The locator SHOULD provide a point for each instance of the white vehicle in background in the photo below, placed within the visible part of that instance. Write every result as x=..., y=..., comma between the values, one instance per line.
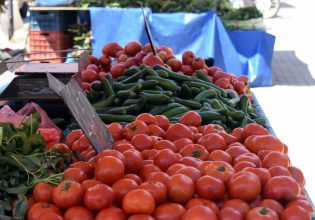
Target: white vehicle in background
x=269, y=8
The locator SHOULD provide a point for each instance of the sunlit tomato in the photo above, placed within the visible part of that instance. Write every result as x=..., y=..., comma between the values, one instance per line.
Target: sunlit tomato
x=147, y=118
x=86, y=167
x=50, y=216
x=122, y=187
x=220, y=155
x=254, y=129
x=164, y=159
x=161, y=177
x=116, y=130
x=279, y=171
x=199, y=212
x=146, y=171
x=202, y=166
x=295, y=212
x=78, y=213
x=237, y=204
x=238, y=186
x=109, y=169
x=181, y=143
x=156, y=131
x=167, y=211
x=42, y=192
x=162, y=121
x=191, y=118
x=262, y=173
x=164, y=144
x=236, y=150
x=276, y=158
x=297, y=174
x=267, y=142
x=134, y=128
x=113, y=153
x=121, y=147
x=220, y=169
x=195, y=150
x=229, y=139
x=138, y=201
x=177, y=131
x=212, y=142
x=190, y=161
x=238, y=134
x=272, y=204
x=303, y=203
x=157, y=189
x=142, y=142
x=111, y=213
x=180, y=188
x=212, y=128
x=86, y=184
x=242, y=165
x=282, y=188
x=261, y=213
x=193, y=173
x=40, y=208
x=229, y=213
x=67, y=194
x=204, y=202
x=149, y=154
x=250, y=157
x=75, y=174
x=98, y=197
x=73, y=136
x=209, y=187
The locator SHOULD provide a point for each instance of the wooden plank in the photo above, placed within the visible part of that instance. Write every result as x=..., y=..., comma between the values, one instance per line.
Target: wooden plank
x=48, y=67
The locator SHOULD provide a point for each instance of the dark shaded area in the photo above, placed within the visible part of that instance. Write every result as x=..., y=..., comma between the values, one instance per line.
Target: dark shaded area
x=287, y=69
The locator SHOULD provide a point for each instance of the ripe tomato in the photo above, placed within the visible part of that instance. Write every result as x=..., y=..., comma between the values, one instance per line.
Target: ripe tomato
x=86, y=167
x=122, y=187
x=164, y=159
x=272, y=204
x=121, y=147
x=166, y=211
x=134, y=128
x=140, y=217
x=220, y=155
x=229, y=213
x=254, y=129
x=42, y=192
x=157, y=189
x=276, y=158
x=181, y=143
x=199, y=212
x=237, y=204
x=238, y=134
x=98, y=197
x=191, y=118
x=180, y=188
x=147, y=118
x=116, y=130
x=78, y=213
x=156, y=131
x=261, y=213
x=40, y=208
x=133, y=202
x=236, y=150
x=82, y=144
x=112, y=213
x=204, y=202
x=209, y=187
x=73, y=136
x=89, y=183
x=142, y=142
x=50, y=216
x=190, y=161
x=212, y=128
x=202, y=166
x=113, y=153
x=146, y=171
x=242, y=165
x=75, y=174
x=164, y=144
x=67, y=194
x=161, y=177
x=174, y=168
x=250, y=157
x=134, y=177
x=279, y=171
x=63, y=148
x=295, y=212
x=282, y=188
x=238, y=186
x=220, y=170
x=149, y=154
x=303, y=203
x=109, y=169
x=195, y=150
x=212, y=142
x=229, y=139
x=262, y=173
x=133, y=162
x=162, y=121
x=267, y=142
x=193, y=173
x=297, y=174
x=177, y=131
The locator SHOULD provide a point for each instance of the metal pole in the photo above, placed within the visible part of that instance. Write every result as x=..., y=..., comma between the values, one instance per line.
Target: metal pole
x=11, y=25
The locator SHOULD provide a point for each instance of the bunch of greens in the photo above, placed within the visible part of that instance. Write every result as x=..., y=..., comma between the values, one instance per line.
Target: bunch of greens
x=24, y=161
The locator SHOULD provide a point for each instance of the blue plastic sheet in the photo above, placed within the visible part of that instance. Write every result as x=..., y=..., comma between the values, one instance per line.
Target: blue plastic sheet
x=234, y=52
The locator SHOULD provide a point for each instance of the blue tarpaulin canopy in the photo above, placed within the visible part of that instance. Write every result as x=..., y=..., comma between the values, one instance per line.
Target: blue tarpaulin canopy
x=238, y=52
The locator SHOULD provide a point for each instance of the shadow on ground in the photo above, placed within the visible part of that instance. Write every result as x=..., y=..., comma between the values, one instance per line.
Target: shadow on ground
x=287, y=69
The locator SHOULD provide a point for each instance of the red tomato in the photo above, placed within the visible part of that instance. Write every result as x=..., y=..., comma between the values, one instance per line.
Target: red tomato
x=204, y=202
x=237, y=204
x=272, y=204
x=147, y=118
x=303, y=203
x=250, y=157
x=242, y=165
x=89, y=183
x=81, y=144
x=75, y=174
x=238, y=186
x=112, y=213
x=199, y=212
x=40, y=208
x=295, y=212
x=50, y=216
x=212, y=128
x=140, y=217
x=209, y=187
x=262, y=173
x=212, y=142
x=133, y=202
x=113, y=153
x=134, y=177
x=190, y=161
x=236, y=150
x=122, y=187
x=73, y=136
x=86, y=167
x=279, y=171
x=68, y=194
x=78, y=213
x=156, y=131
x=261, y=213
x=181, y=143
x=157, y=189
x=161, y=177
x=162, y=121
x=220, y=170
x=164, y=159
x=193, y=173
x=98, y=197
x=134, y=128
x=142, y=142
x=229, y=213
x=180, y=188
x=177, y=131
x=220, y=155
x=282, y=188
x=146, y=171
x=109, y=169
x=116, y=130
x=42, y=192
x=89, y=75
x=63, y=148
x=133, y=161
x=174, y=168
x=149, y=154
x=166, y=211
x=191, y=118
x=276, y=158
x=297, y=174
x=195, y=150
x=164, y=144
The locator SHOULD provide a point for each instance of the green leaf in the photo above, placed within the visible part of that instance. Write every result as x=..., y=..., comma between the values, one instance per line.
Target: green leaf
x=21, y=189
x=20, y=208
x=28, y=163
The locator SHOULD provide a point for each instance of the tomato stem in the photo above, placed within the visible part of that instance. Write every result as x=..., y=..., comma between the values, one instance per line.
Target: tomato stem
x=264, y=211
x=196, y=153
x=221, y=168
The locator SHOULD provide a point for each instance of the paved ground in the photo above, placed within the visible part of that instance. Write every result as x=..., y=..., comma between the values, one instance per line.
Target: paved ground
x=290, y=103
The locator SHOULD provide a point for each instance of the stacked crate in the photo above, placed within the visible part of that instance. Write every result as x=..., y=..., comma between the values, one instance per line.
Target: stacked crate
x=48, y=33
